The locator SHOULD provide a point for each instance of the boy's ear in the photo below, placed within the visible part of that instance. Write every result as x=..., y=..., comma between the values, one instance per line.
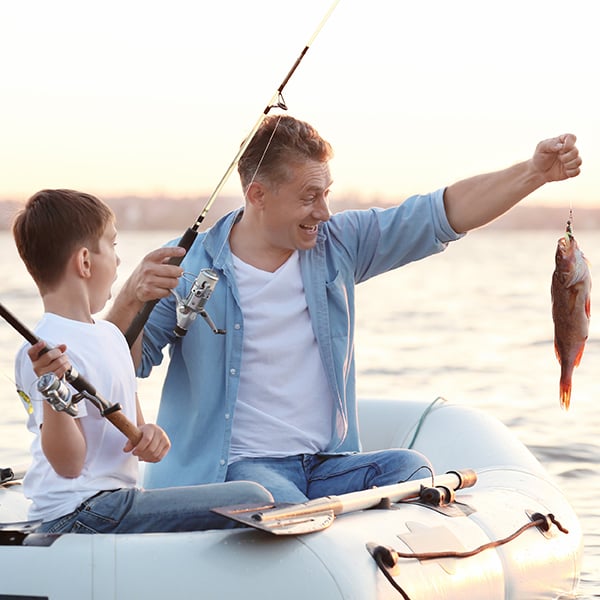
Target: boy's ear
x=82, y=262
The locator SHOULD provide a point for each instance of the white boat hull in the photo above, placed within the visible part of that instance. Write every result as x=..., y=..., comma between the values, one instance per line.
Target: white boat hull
x=336, y=563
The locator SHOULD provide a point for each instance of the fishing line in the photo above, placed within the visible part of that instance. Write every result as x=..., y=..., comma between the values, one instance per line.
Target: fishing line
x=276, y=101
x=262, y=157
x=569, y=229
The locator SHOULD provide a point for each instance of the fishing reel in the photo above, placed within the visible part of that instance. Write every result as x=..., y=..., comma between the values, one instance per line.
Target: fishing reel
x=58, y=395
x=192, y=305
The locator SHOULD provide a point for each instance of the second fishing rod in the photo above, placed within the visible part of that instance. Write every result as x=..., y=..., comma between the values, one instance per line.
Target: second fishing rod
x=200, y=291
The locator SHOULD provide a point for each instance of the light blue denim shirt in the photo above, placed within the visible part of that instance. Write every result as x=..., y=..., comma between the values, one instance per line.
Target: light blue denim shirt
x=200, y=389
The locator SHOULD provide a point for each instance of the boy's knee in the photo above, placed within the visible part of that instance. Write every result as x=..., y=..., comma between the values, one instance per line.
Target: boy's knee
x=251, y=492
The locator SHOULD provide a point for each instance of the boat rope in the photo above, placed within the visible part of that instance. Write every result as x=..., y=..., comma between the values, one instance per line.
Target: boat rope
x=422, y=419
x=186, y=241
x=387, y=558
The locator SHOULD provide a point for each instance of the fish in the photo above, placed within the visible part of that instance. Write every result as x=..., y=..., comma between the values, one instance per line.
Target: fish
x=571, y=293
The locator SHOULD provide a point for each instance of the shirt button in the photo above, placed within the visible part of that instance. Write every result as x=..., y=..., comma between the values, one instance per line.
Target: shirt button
x=232, y=371
x=226, y=415
x=221, y=462
x=237, y=326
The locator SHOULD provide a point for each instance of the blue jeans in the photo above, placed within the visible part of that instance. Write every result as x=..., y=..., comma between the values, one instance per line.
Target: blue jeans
x=304, y=477
x=132, y=510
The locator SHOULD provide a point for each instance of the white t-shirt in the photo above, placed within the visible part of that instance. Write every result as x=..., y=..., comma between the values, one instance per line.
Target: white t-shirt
x=284, y=406
x=100, y=354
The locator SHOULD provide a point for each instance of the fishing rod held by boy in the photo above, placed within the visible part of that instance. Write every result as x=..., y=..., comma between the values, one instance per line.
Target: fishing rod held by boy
x=60, y=397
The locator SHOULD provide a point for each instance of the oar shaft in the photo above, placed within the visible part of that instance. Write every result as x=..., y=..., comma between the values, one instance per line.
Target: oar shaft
x=364, y=499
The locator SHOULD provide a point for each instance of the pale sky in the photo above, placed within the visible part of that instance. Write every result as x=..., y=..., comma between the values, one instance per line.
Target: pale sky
x=149, y=97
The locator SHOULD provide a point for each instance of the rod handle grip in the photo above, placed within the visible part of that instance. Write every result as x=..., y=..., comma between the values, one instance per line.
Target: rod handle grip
x=125, y=426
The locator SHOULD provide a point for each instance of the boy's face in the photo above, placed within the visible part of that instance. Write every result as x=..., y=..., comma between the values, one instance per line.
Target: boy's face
x=104, y=268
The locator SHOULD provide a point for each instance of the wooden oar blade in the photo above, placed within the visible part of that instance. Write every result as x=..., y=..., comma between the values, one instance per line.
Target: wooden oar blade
x=287, y=525
x=319, y=513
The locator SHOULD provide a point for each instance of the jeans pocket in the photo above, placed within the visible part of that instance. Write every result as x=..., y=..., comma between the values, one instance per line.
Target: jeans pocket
x=103, y=512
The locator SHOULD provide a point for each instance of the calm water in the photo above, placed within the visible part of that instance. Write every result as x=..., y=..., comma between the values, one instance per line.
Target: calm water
x=472, y=324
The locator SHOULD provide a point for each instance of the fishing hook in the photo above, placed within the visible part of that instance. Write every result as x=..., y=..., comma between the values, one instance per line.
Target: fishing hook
x=191, y=233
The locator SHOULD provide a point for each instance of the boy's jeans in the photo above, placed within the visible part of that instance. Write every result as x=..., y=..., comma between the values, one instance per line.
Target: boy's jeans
x=132, y=510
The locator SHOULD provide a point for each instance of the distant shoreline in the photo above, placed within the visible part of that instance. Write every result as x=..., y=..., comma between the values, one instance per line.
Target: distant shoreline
x=136, y=213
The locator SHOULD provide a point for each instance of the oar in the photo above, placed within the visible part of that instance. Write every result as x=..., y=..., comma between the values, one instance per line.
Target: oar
x=318, y=514
x=112, y=412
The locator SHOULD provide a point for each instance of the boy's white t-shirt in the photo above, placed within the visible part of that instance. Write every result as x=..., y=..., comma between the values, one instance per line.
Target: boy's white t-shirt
x=284, y=406
x=99, y=352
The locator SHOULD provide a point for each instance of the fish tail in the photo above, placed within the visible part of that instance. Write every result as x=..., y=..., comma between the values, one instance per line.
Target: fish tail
x=565, y=394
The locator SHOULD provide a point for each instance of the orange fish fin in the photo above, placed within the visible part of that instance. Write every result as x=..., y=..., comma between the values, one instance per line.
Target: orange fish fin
x=588, y=309
x=565, y=395
x=579, y=355
x=557, y=352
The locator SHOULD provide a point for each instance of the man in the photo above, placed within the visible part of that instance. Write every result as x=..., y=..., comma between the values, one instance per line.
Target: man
x=274, y=399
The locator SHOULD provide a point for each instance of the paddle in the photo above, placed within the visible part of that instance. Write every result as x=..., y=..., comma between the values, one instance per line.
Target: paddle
x=318, y=514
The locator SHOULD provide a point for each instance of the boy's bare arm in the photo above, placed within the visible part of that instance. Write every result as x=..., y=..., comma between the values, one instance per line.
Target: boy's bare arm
x=63, y=442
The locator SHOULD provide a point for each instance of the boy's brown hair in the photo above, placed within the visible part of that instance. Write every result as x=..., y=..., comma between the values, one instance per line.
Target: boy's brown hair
x=54, y=224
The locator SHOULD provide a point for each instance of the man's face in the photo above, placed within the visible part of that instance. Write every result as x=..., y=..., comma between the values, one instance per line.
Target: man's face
x=293, y=210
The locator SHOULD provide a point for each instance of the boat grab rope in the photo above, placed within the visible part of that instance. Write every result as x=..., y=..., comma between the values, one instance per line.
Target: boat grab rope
x=422, y=419
x=387, y=558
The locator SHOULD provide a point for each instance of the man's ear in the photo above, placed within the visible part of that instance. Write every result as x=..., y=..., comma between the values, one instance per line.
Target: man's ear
x=83, y=262
x=255, y=194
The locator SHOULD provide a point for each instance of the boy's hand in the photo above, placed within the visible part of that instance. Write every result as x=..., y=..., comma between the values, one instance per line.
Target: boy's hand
x=54, y=361
x=153, y=446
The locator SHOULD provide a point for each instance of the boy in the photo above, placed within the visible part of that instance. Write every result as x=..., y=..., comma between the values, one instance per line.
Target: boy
x=84, y=472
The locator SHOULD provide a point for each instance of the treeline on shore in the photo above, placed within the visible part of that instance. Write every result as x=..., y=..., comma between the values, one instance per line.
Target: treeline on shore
x=142, y=213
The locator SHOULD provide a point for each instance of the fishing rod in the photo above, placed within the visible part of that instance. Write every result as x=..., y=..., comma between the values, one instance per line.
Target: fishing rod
x=59, y=396
x=191, y=233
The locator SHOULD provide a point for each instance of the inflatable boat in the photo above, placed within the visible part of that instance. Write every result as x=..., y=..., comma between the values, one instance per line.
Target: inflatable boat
x=490, y=524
